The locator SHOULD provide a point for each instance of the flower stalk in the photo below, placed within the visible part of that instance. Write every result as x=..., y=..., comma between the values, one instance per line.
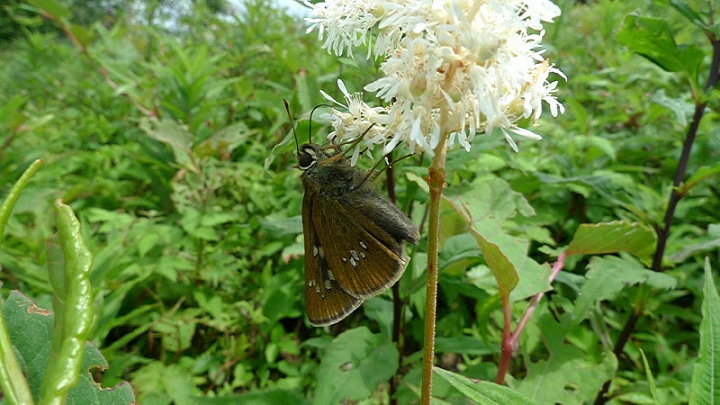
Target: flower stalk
x=436, y=182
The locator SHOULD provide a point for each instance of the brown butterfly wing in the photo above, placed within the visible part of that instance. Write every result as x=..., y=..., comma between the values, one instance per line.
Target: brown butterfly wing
x=364, y=259
x=325, y=301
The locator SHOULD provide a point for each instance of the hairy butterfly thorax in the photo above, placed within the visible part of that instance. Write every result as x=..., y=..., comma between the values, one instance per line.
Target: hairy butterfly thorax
x=353, y=237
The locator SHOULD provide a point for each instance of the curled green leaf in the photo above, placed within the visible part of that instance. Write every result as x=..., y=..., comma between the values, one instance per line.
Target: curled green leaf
x=72, y=304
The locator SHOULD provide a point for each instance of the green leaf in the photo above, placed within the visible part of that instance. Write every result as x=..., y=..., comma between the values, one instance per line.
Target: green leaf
x=482, y=392
x=567, y=377
x=706, y=243
x=14, y=194
x=463, y=345
x=684, y=8
x=31, y=330
x=483, y=207
x=52, y=8
x=283, y=147
x=72, y=302
x=607, y=277
x=353, y=366
x=491, y=197
x=679, y=106
x=13, y=384
x=705, y=388
x=653, y=39
x=700, y=175
x=173, y=134
x=650, y=379
x=613, y=237
x=270, y=397
x=165, y=384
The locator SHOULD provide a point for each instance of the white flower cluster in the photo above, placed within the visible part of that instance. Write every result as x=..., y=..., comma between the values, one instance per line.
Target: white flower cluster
x=460, y=66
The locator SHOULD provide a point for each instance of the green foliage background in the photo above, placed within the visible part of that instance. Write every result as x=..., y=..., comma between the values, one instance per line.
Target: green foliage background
x=171, y=143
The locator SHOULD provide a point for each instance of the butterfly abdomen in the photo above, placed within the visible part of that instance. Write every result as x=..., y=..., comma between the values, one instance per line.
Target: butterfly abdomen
x=384, y=214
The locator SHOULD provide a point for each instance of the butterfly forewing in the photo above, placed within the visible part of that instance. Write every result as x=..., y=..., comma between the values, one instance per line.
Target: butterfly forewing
x=365, y=259
x=325, y=301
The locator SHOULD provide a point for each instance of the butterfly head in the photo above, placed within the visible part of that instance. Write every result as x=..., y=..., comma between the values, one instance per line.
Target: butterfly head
x=309, y=155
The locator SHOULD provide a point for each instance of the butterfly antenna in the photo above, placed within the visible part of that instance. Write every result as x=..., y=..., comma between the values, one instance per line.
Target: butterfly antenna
x=292, y=124
x=311, y=114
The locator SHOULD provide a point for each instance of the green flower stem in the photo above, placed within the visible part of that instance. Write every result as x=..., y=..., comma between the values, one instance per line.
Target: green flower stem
x=73, y=304
x=12, y=381
x=436, y=181
x=9, y=202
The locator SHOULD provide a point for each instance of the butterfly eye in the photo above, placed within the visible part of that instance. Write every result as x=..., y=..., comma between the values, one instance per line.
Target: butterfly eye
x=306, y=159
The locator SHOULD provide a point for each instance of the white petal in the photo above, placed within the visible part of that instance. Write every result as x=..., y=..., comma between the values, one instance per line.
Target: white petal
x=355, y=155
x=329, y=98
x=512, y=143
x=342, y=88
x=525, y=133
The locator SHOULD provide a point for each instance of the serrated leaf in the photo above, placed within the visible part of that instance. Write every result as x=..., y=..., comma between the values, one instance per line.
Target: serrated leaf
x=613, y=237
x=483, y=207
x=491, y=197
x=567, y=377
x=705, y=387
x=606, y=278
x=483, y=392
x=353, y=366
x=653, y=39
x=31, y=330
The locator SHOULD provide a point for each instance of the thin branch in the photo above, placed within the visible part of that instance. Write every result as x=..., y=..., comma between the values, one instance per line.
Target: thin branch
x=510, y=340
x=556, y=268
x=675, y=197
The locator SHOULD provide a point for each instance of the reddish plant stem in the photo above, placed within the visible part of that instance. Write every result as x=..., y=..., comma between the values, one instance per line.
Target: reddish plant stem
x=557, y=266
x=510, y=340
x=507, y=349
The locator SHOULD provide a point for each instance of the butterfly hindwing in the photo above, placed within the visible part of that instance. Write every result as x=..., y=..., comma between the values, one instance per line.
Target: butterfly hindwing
x=365, y=259
x=325, y=301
